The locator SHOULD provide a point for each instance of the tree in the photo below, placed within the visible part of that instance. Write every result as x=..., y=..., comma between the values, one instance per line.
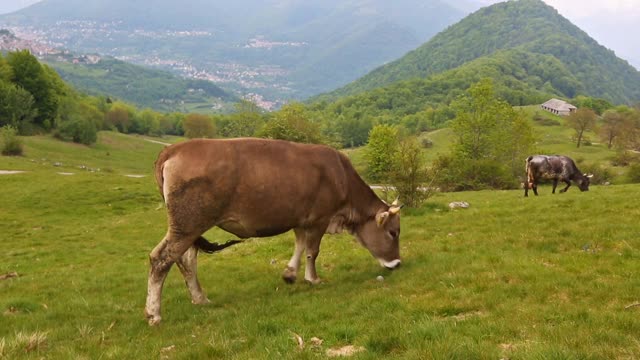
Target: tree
x=77, y=121
x=17, y=106
x=246, y=121
x=380, y=152
x=6, y=72
x=488, y=128
x=146, y=123
x=581, y=120
x=292, y=123
x=409, y=174
x=492, y=141
x=120, y=117
x=31, y=76
x=198, y=126
x=614, y=123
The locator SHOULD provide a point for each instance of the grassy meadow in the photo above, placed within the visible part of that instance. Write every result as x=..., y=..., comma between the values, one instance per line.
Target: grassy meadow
x=547, y=277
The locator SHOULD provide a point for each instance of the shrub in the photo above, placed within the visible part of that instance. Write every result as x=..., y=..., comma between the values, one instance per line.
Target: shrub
x=634, y=173
x=11, y=143
x=460, y=174
x=426, y=143
x=78, y=130
x=600, y=174
x=624, y=158
x=545, y=121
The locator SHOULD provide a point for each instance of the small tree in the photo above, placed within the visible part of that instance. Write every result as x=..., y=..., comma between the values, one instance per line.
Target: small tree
x=581, y=120
x=409, y=174
x=292, y=123
x=380, y=152
x=198, y=126
x=11, y=143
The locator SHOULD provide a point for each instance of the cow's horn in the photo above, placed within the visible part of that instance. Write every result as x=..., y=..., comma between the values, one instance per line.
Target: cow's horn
x=395, y=209
x=589, y=176
x=395, y=202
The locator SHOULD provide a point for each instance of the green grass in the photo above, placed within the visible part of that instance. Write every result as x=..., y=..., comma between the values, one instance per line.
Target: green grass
x=538, y=278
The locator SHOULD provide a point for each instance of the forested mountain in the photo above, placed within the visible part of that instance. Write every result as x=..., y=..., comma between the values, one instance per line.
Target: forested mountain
x=524, y=25
x=279, y=49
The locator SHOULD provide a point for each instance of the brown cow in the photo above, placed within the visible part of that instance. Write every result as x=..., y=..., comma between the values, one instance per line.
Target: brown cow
x=259, y=188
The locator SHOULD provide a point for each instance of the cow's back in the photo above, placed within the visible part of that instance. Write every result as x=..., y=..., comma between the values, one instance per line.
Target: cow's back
x=269, y=186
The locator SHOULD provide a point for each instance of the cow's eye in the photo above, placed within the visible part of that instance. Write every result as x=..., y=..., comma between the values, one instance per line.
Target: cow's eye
x=393, y=234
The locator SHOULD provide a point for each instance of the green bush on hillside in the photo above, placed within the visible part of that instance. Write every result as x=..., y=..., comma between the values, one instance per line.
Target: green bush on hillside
x=11, y=143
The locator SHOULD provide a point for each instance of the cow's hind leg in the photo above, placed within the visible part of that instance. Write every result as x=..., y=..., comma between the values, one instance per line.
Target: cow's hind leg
x=188, y=265
x=162, y=257
x=555, y=185
x=290, y=273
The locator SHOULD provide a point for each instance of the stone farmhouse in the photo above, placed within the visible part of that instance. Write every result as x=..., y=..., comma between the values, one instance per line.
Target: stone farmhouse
x=558, y=107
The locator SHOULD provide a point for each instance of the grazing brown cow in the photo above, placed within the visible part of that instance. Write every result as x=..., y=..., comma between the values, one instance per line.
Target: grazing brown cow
x=554, y=167
x=259, y=188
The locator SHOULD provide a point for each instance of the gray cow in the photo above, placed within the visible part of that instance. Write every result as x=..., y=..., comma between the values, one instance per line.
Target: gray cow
x=556, y=168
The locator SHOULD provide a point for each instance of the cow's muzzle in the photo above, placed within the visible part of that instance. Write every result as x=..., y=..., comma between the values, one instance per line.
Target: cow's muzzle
x=393, y=264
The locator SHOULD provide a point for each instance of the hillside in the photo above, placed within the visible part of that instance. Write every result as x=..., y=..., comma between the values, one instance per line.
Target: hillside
x=524, y=25
x=280, y=50
x=155, y=89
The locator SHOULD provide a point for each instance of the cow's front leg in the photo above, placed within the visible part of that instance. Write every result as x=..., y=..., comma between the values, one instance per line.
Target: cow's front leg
x=313, y=249
x=188, y=265
x=290, y=272
x=566, y=187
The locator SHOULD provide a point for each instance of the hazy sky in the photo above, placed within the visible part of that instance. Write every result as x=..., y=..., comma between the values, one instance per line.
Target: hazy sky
x=613, y=23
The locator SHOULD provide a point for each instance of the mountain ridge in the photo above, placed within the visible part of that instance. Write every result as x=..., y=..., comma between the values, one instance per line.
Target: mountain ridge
x=530, y=25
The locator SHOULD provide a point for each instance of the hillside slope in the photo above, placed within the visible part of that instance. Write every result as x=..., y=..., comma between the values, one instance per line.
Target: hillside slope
x=144, y=87
x=527, y=25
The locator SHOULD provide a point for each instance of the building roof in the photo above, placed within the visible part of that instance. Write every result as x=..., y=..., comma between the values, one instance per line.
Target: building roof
x=559, y=105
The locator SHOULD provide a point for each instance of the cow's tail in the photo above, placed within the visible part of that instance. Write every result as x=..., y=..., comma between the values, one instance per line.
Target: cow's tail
x=528, y=172
x=208, y=247
x=159, y=170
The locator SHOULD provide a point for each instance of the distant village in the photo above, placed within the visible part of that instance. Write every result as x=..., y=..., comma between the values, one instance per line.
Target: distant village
x=48, y=46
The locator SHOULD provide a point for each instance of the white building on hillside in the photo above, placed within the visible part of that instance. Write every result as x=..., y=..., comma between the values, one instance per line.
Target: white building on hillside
x=558, y=107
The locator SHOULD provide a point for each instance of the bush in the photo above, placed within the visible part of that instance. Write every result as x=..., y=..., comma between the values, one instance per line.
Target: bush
x=426, y=143
x=634, y=173
x=460, y=174
x=624, y=158
x=78, y=131
x=11, y=143
x=545, y=121
x=600, y=174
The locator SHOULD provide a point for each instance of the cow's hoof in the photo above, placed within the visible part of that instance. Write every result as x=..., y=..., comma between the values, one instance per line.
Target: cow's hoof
x=315, y=281
x=201, y=301
x=289, y=275
x=153, y=320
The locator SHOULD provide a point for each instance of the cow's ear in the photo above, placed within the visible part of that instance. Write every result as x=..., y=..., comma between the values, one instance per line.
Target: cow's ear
x=381, y=218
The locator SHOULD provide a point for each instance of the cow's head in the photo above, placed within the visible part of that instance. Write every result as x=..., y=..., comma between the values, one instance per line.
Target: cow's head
x=381, y=235
x=583, y=182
